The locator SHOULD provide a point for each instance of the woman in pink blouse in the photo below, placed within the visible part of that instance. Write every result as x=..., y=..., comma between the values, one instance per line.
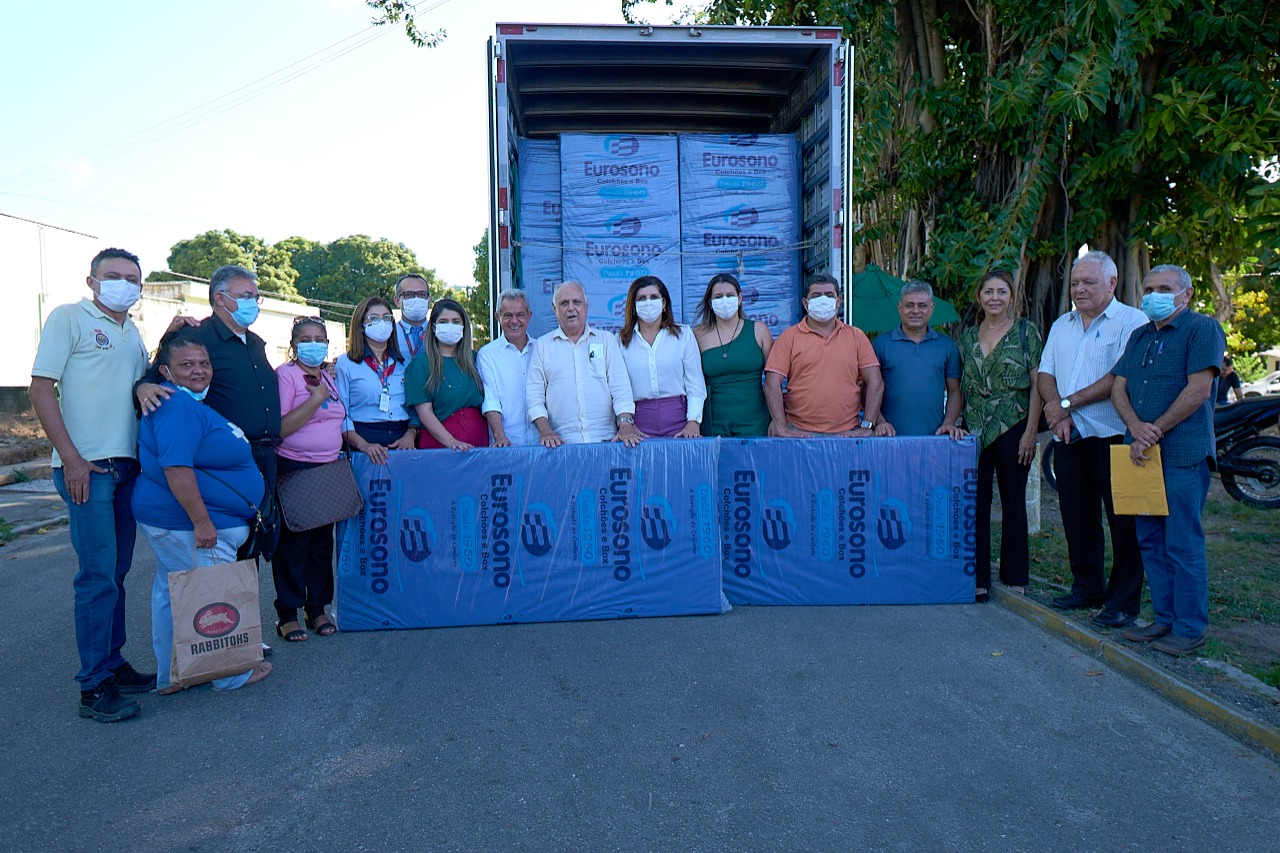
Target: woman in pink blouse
x=311, y=435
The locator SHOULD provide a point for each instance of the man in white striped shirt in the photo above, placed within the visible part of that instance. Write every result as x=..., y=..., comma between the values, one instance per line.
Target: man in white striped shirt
x=1075, y=381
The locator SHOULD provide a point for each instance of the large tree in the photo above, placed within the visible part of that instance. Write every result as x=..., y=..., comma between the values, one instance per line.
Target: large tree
x=199, y=256
x=351, y=268
x=988, y=134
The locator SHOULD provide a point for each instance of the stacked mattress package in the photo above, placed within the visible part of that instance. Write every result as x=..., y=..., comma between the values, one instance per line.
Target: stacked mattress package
x=538, y=262
x=620, y=217
x=740, y=214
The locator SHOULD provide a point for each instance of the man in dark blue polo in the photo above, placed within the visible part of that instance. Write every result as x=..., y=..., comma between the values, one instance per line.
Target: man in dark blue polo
x=1163, y=390
x=921, y=371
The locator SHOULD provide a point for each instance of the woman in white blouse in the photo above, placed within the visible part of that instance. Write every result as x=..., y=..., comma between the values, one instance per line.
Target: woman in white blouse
x=663, y=363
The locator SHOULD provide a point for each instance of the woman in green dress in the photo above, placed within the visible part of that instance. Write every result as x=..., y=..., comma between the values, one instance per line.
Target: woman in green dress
x=999, y=359
x=734, y=350
x=443, y=384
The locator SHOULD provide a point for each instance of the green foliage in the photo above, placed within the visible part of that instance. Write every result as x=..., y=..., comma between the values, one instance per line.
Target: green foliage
x=352, y=268
x=401, y=12
x=476, y=300
x=480, y=267
x=201, y=255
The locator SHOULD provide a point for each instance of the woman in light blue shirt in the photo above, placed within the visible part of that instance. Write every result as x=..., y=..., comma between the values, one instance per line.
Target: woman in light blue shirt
x=371, y=384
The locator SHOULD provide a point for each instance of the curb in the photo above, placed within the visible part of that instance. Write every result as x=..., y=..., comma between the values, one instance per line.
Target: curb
x=33, y=526
x=23, y=472
x=1222, y=717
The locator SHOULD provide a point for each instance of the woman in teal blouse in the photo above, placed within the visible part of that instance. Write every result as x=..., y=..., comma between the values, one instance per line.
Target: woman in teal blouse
x=443, y=384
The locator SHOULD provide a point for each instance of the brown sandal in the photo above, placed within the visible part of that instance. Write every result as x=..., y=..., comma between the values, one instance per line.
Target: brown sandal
x=297, y=635
x=323, y=629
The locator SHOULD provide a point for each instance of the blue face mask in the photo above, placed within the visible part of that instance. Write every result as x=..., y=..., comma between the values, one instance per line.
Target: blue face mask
x=1158, y=306
x=246, y=311
x=198, y=396
x=312, y=353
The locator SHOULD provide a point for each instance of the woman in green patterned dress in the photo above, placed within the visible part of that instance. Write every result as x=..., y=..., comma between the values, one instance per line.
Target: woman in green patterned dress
x=734, y=350
x=1000, y=357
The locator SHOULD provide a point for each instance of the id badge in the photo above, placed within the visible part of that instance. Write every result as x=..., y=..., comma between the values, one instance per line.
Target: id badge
x=384, y=401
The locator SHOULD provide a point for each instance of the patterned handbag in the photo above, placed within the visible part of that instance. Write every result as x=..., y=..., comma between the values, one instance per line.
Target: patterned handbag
x=314, y=497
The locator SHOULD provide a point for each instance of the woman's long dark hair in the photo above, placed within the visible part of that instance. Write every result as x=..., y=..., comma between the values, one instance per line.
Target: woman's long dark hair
x=462, y=354
x=630, y=318
x=707, y=317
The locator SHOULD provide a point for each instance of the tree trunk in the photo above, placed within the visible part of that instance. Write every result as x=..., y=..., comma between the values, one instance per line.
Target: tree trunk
x=1224, y=310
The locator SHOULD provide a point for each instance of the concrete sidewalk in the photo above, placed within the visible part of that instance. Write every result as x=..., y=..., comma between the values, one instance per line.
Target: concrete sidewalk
x=28, y=501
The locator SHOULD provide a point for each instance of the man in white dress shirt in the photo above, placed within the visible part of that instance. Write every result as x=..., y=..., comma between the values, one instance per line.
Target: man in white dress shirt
x=504, y=367
x=578, y=391
x=1075, y=381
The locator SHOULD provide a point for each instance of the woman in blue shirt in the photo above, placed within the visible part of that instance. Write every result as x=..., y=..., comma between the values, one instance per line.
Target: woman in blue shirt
x=192, y=499
x=371, y=384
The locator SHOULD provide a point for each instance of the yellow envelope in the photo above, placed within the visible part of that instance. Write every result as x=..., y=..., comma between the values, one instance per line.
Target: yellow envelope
x=1137, y=490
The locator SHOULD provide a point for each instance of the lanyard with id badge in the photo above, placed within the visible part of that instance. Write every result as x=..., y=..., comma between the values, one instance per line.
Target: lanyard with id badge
x=383, y=373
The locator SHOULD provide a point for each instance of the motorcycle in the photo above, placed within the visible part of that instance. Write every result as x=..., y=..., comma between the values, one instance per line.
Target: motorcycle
x=1248, y=461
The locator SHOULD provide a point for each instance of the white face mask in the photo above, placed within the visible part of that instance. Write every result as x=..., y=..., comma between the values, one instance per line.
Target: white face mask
x=415, y=310
x=725, y=306
x=378, y=330
x=649, y=310
x=117, y=294
x=448, y=333
x=822, y=308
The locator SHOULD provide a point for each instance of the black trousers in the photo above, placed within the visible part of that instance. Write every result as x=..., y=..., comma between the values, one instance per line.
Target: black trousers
x=1000, y=458
x=303, y=564
x=1083, y=468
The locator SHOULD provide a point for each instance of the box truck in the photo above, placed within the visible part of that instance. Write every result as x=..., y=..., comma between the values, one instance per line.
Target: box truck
x=677, y=151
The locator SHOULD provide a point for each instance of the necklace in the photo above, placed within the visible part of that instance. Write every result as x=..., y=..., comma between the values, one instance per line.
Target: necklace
x=994, y=326
x=736, y=326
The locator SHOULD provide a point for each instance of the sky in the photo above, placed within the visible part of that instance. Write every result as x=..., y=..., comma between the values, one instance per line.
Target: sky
x=145, y=122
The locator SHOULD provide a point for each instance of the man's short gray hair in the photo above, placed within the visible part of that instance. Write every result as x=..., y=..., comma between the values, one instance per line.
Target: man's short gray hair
x=512, y=293
x=555, y=297
x=1184, y=277
x=1102, y=259
x=915, y=286
x=222, y=277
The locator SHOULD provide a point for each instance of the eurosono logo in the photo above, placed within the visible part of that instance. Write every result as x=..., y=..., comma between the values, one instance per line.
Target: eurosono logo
x=778, y=524
x=417, y=535
x=622, y=225
x=893, y=524
x=622, y=146
x=741, y=217
x=657, y=522
x=538, y=529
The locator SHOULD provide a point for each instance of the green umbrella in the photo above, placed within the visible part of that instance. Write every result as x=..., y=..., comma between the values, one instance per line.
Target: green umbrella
x=875, y=302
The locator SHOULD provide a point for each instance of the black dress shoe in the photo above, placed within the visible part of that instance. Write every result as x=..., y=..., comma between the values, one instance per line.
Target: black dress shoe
x=1074, y=601
x=1109, y=618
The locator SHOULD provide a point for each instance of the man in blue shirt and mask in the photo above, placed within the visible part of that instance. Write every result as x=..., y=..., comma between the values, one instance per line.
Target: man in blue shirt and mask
x=1163, y=390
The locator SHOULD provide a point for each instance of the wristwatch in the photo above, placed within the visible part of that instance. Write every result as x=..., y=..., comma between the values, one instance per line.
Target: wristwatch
x=1065, y=403
x=867, y=425
x=626, y=419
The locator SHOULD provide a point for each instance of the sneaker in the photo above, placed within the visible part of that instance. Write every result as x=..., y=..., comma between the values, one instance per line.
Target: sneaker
x=129, y=680
x=1177, y=646
x=105, y=704
x=1154, y=631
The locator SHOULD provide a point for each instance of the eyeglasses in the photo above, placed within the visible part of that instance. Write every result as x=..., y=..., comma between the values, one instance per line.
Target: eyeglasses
x=240, y=296
x=415, y=294
x=298, y=321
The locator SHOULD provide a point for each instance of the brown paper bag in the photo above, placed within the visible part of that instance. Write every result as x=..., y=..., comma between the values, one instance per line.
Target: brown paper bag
x=217, y=626
x=1137, y=490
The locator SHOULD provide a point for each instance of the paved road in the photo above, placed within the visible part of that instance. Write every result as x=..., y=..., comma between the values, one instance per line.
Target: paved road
x=894, y=728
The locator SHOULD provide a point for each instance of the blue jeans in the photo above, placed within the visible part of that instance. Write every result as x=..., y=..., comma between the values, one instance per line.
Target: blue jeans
x=103, y=534
x=176, y=551
x=1173, y=552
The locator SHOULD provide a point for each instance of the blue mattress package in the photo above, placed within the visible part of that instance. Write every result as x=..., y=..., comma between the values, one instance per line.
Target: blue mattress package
x=848, y=521
x=620, y=217
x=539, y=269
x=526, y=534
x=740, y=214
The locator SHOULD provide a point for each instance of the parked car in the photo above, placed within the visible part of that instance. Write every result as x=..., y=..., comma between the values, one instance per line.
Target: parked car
x=1269, y=384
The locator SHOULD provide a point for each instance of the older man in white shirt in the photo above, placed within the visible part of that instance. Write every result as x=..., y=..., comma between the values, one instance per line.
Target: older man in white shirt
x=1075, y=381
x=504, y=367
x=578, y=390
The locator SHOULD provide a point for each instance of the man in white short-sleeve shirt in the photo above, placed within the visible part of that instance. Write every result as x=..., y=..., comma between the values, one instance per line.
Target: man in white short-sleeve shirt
x=1075, y=382
x=578, y=390
x=90, y=355
x=504, y=368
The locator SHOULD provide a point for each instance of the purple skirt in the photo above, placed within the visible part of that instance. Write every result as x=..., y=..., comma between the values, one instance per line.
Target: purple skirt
x=662, y=416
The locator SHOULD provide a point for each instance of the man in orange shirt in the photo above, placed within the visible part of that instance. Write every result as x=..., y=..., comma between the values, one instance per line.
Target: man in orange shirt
x=823, y=360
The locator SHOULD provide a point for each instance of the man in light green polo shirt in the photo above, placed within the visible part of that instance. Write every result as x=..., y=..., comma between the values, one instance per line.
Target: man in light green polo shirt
x=90, y=355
